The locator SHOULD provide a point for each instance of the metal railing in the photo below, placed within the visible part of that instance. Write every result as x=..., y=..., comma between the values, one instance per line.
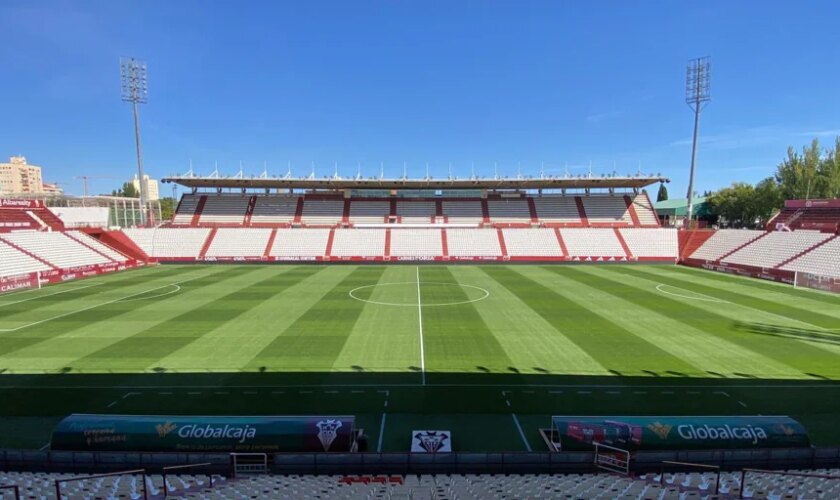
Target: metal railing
x=166, y=470
x=59, y=482
x=744, y=473
x=15, y=490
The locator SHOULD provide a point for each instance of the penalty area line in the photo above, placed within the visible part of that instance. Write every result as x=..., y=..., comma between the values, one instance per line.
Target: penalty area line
x=95, y=306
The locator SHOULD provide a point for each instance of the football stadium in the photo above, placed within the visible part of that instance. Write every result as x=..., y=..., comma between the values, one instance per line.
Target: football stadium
x=559, y=335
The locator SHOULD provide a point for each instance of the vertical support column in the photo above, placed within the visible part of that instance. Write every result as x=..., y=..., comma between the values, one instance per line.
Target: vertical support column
x=298, y=210
x=388, y=244
x=345, y=215
x=485, y=211
x=249, y=212
x=532, y=207
x=198, y=209
x=581, y=211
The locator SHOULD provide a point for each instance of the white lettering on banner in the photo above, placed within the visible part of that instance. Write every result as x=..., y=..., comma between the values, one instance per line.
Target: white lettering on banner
x=208, y=431
x=15, y=286
x=706, y=432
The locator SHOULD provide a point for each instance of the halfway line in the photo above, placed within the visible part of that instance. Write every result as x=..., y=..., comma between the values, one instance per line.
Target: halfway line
x=420, y=317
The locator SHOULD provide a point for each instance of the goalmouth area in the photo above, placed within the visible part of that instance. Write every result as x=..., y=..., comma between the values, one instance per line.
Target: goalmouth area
x=489, y=352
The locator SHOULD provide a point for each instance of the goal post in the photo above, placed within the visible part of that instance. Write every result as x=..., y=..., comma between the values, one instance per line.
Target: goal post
x=816, y=281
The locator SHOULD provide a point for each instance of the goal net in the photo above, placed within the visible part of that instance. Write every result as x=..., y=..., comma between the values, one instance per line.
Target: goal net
x=819, y=282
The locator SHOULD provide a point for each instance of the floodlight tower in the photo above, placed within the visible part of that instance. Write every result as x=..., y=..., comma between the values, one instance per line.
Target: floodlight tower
x=698, y=92
x=134, y=86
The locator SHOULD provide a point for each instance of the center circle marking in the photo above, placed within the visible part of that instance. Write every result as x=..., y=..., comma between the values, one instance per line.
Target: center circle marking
x=423, y=304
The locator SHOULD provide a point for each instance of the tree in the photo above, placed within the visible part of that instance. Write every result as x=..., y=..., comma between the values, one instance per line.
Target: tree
x=127, y=190
x=662, y=195
x=797, y=174
x=167, y=208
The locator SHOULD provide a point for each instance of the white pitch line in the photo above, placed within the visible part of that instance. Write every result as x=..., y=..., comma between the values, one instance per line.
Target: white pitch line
x=521, y=432
x=831, y=385
x=699, y=296
x=420, y=322
x=51, y=294
x=112, y=404
x=742, y=404
x=94, y=306
x=381, y=433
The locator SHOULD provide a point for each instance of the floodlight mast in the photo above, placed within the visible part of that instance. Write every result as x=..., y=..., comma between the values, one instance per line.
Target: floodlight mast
x=698, y=91
x=134, y=87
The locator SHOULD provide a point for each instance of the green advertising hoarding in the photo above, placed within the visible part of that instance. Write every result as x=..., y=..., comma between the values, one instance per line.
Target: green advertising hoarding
x=677, y=433
x=204, y=433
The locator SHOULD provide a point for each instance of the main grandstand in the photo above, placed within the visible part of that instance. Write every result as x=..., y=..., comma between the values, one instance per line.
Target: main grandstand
x=539, y=328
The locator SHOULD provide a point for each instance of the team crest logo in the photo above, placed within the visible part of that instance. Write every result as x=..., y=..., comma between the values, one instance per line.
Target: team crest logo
x=660, y=430
x=327, y=432
x=787, y=430
x=164, y=429
x=431, y=441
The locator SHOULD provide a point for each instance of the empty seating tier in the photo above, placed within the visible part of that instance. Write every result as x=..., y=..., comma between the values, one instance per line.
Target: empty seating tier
x=557, y=209
x=416, y=243
x=292, y=243
x=358, y=243
x=644, y=211
x=322, y=212
x=172, y=243
x=775, y=248
x=509, y=210
x=606, y=210
x=416, y=212
x=724, y=242
x=647, y=243
x=224, y=209
x=473, y=243
x=541, y=242
x=463, y=211
x=186, y=209
x=56, y=248
x=821, y=261
x=97, y=245
x=591, y=242
x=274, y=210
x=14, y=262
x=239, y=242
x=369, y=212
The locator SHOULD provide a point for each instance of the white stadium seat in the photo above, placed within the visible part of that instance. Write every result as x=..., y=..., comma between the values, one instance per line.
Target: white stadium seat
x=166, y=242
x=473, y=243
x=416, y=243
x=592, y=242
x=300, y=243
x=540, y=242
x=651, y=242
x=239, y=242
x=723, y=242
x=358, y=243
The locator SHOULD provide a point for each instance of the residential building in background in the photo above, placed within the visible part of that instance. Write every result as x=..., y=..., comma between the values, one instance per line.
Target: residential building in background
x=53, y=189
x=18, y=177
x=151, y=187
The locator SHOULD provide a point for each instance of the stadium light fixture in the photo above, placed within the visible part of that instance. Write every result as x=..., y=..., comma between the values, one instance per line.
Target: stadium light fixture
x=698, y=92
x=134, y=87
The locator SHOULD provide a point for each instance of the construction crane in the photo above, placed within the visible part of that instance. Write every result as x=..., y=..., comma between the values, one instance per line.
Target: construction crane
x=85, y=181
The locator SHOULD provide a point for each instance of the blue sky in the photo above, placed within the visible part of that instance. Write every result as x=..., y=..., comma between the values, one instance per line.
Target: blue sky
x=395, y=81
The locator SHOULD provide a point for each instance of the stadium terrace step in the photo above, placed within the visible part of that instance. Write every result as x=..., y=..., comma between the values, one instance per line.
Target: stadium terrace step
x=632, y=210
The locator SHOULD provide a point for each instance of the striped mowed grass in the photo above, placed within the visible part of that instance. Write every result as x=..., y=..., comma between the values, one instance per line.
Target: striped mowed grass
x=447, y=340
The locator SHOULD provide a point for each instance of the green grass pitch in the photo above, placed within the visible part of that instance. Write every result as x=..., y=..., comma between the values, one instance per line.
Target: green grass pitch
x=489, y=352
